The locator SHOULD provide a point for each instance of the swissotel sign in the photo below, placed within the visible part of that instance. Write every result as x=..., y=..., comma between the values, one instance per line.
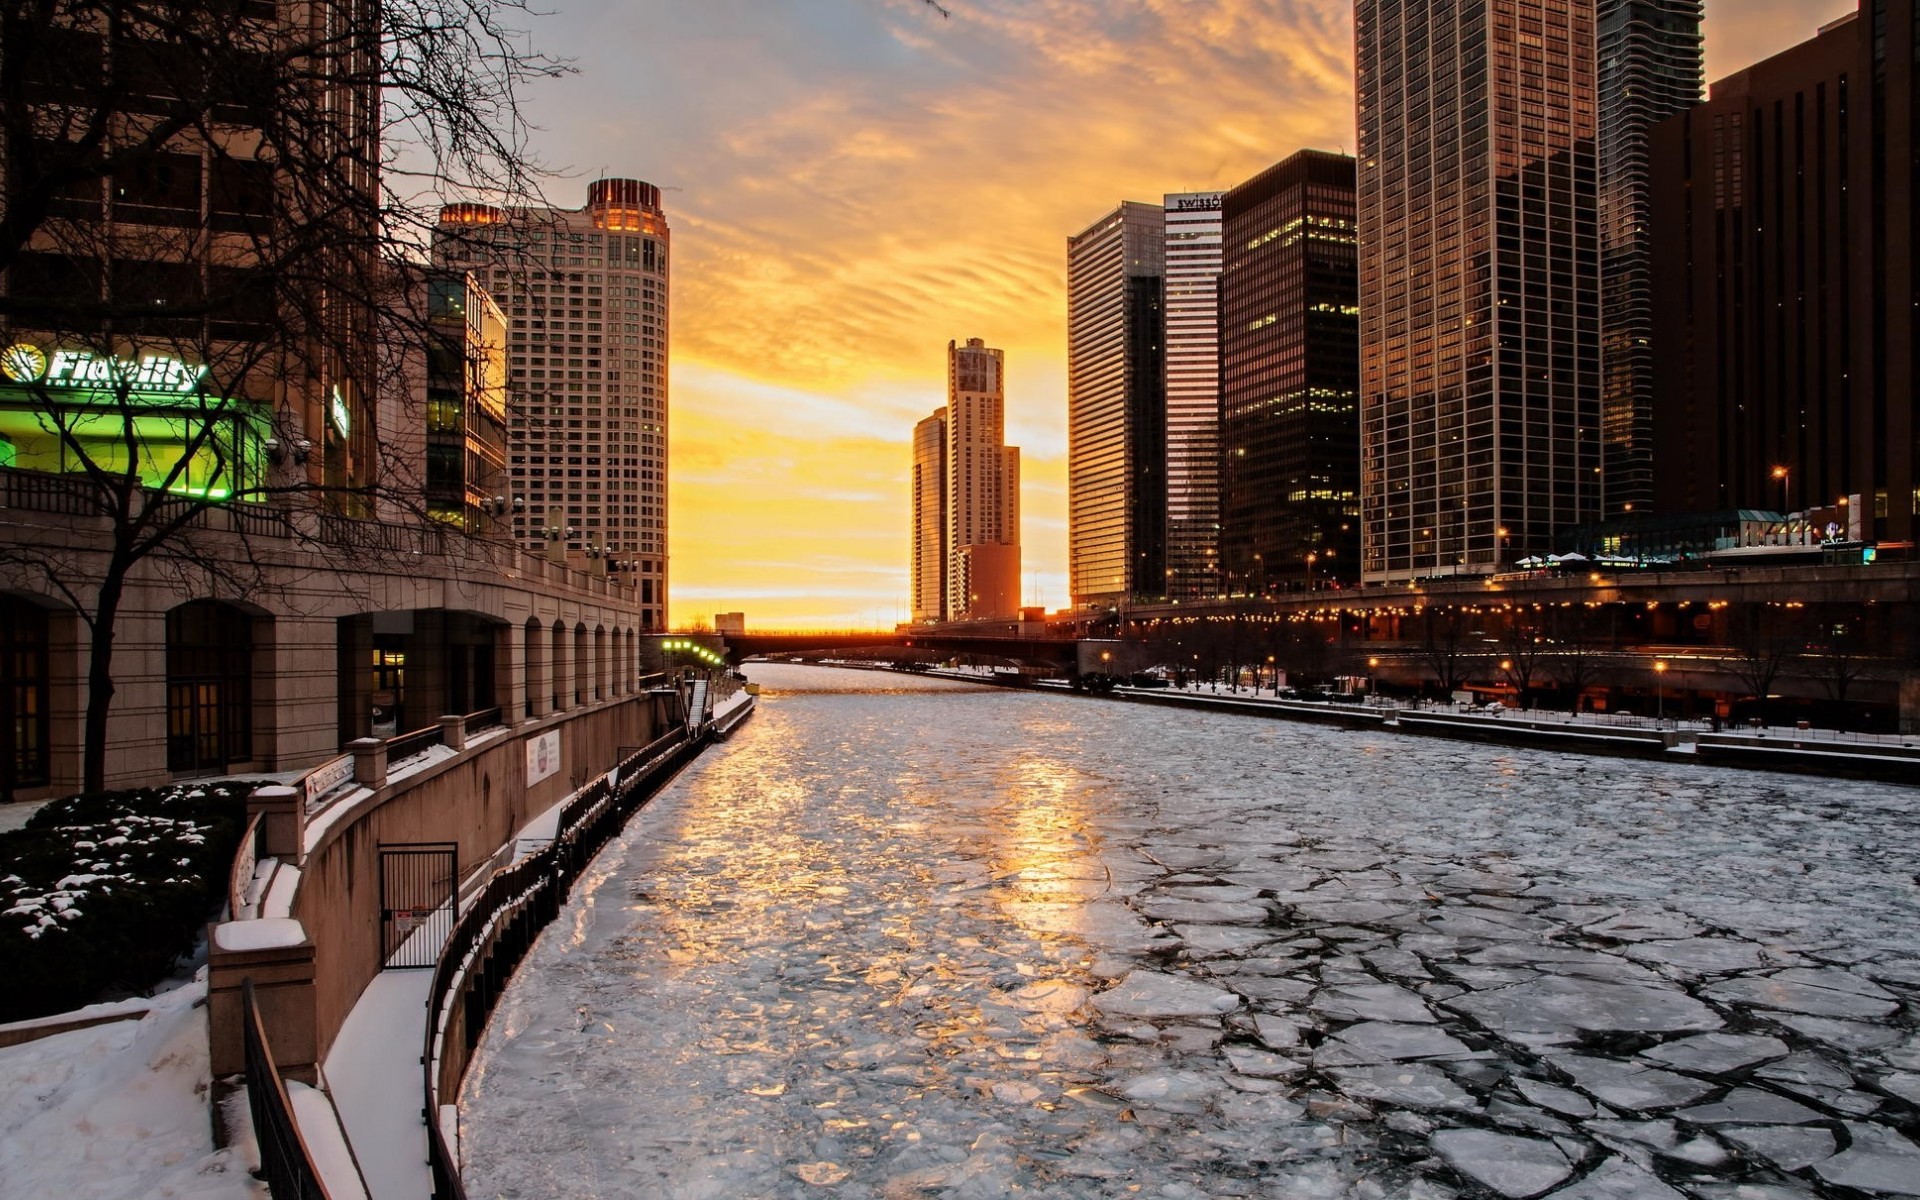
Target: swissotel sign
x=83, y=369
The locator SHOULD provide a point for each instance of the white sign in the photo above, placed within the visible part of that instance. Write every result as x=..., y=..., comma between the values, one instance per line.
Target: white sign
x=24, y=363
x=328, y=776
x=543, y=757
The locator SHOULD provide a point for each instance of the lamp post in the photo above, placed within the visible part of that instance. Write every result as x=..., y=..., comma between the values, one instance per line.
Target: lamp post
x=1373, y=668
x=1500, y=558
x=1311, y=559
x=1660, y=690
x=1782, y=474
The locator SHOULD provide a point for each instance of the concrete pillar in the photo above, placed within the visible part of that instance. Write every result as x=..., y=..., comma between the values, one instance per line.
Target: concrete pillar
x=562, y=667
x=510, y=673
x=539, y=669
x=369, y=762
x=453, y=731
x=283, y=821
x=277, y=956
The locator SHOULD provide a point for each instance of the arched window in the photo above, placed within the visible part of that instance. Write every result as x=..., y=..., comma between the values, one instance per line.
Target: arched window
x=23, y=694
x=209, y=686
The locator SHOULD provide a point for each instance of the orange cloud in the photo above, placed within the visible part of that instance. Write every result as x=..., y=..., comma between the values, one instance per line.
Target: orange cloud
x=852, y=183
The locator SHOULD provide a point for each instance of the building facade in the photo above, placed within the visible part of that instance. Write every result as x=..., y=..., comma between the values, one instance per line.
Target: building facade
x=219, y=552
x=1784, y=269
x=1651, y=66
x=1192, y=389
x=1479, y=282
x=1116, y=408
x=586, y=294
x=1290, y=377
x=929, y=533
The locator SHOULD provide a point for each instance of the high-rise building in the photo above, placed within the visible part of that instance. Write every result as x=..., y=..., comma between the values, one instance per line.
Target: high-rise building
x=586, y=295
x=966, y=495
x=982, y=512
x=930, y=557
x=1784, y=272
x=1290, y=377
x=1650, y=67
x=1116, y=408
x=1479, y=282
x=1192, y=315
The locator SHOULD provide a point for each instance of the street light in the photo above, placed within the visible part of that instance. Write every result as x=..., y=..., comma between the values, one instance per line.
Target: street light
x=1786, y=504
x=1660, y=688
x=1311, y=559
x=1373, y=667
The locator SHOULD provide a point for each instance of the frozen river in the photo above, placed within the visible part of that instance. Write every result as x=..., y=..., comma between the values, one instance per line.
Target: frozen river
x=903, y=938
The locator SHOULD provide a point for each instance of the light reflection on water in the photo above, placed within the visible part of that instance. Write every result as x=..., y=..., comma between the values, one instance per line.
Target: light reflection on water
x=851, y=952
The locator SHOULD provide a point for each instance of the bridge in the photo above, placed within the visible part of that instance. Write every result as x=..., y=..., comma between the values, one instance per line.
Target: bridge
x=1822, y=630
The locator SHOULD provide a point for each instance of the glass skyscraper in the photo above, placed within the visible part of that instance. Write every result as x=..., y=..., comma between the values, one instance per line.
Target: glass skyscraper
x=1479, y=281
x=1290, y=377
x=1650, y=67
x=1116, y=408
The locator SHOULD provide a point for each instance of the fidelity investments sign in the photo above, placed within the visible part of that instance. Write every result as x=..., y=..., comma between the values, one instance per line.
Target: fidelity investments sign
x=83, y=370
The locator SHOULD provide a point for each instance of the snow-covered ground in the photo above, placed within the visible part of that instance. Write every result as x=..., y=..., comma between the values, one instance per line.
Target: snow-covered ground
x=910, y=938
x=119, y=1112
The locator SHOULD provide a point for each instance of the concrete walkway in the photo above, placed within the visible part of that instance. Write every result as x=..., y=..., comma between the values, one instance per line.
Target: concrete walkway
x=374, y=1076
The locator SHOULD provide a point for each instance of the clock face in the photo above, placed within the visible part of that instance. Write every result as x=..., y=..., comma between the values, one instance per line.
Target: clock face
x=23, y=363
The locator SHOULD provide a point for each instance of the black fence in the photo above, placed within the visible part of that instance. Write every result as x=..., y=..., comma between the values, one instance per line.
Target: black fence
x=284, y=1158
x=495, y=933
x=486, y=718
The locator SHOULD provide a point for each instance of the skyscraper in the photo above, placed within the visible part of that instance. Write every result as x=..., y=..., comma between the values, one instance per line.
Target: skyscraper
x=978, y=480
x=983, y=486
x=586, y=294
x=1784, y=271
x=1116, y=408
x=1650, y=67
x=1479, y=281
x=1290, y=377
x=929, y=566
x=1192, y=310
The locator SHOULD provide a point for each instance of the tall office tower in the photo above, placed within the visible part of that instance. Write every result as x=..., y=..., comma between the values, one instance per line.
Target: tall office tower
x=586, y=294
x=1479, y=282
x=1784, y=267
x=982, y=487
x=1650, y=67
x=1290, y=377
x=1116, y=409
x=1192, y=309
x=929, y=565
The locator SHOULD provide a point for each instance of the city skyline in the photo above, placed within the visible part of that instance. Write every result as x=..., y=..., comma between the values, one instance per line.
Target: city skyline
x=867, y=177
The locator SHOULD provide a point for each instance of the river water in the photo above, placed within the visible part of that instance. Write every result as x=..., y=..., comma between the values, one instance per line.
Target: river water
x=905, y=938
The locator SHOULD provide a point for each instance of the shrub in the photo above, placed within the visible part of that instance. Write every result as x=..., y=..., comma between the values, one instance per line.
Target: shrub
x=102, y=893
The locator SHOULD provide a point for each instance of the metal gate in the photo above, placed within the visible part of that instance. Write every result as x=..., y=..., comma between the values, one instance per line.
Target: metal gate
x=416, y=903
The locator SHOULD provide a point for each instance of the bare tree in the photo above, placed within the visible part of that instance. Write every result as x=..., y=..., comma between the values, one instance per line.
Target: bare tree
x=1523, y=651
x=1836, y=657
x=1763, y=638
x=205, y=201
x=1444, y=644
x=1571, y=658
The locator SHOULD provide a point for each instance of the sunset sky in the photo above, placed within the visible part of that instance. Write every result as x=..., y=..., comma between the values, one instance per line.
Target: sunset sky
x=853, y=183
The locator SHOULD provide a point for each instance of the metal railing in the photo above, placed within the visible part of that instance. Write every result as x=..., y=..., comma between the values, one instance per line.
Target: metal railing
x=500, y=926
x=486, y=718
x=284, y=1157
x=407, y=745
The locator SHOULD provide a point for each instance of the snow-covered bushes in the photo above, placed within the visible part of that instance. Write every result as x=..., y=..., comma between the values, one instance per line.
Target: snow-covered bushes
x=103, y=893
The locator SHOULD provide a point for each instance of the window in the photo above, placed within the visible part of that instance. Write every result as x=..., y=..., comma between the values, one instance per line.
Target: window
x=23, y=694
x=209, y=686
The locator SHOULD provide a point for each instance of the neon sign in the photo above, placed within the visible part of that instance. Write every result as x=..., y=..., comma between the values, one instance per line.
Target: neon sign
x=340, y=414
x=83, y=369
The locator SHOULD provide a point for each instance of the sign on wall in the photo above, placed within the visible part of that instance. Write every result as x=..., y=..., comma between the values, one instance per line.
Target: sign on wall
x=543, y=757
